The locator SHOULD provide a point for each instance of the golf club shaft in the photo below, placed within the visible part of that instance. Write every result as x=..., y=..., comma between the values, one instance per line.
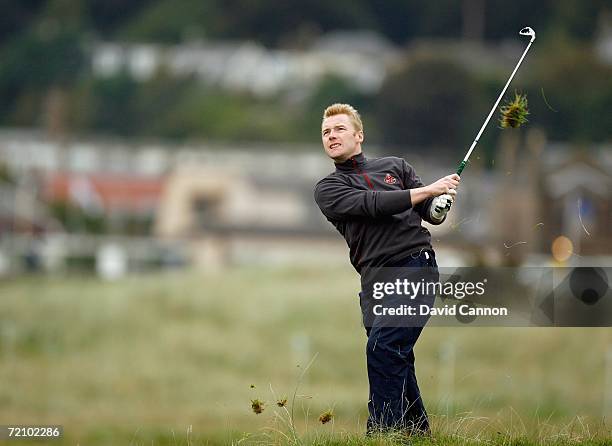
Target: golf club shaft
x=465, y=160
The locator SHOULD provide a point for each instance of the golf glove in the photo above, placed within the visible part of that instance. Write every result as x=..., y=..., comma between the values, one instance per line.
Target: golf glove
x=441, y=205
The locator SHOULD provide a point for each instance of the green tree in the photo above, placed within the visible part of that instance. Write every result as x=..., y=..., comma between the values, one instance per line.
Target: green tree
x=47, y=55
x=17, y=16
x=570, y=95
x=430, y=102
x=106, y=105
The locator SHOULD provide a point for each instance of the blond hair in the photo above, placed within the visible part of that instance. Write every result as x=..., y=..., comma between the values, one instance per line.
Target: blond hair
x=345, y=109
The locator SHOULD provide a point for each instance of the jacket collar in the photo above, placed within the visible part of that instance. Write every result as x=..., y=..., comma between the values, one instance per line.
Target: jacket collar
x=352, y=163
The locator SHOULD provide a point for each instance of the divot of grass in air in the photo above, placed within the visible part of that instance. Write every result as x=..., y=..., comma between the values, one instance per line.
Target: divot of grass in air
x=257, y=406
x=514, y=113
x=326, y=417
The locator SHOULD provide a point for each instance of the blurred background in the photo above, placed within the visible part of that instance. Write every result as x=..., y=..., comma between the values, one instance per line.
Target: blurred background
x=160, y=249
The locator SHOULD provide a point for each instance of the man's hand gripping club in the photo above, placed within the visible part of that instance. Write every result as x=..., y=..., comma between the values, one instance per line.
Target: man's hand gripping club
x=444, y=190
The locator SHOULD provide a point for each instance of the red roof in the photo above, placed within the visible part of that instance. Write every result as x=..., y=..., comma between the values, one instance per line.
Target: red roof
x=113, y=192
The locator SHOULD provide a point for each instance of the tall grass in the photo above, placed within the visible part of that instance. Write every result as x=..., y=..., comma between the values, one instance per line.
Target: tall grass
x=138, y=359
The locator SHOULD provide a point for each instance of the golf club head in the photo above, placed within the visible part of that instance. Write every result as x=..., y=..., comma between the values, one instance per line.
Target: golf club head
x=527, y=31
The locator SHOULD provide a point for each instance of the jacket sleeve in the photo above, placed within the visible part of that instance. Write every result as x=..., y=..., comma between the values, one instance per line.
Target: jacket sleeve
x=412, y=180
x=338, y=200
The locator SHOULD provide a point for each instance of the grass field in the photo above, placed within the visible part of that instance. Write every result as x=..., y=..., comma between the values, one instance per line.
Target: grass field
x=177, y=358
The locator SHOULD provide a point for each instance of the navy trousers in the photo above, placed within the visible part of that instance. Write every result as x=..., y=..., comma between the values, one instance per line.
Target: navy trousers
x=395, y=401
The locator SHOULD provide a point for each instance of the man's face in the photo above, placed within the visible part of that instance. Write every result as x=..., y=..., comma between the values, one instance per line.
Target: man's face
x=340, y=138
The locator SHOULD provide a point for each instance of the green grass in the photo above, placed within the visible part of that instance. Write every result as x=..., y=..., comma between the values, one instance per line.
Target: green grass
x=139, y=360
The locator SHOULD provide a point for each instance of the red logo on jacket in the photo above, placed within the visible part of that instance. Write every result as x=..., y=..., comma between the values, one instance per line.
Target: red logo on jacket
x=390, y=179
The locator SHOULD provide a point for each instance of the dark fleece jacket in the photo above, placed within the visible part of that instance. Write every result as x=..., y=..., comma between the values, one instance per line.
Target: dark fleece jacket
x=368, y=201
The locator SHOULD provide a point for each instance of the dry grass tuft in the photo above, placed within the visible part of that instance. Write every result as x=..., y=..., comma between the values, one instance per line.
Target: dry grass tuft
x=514, y=113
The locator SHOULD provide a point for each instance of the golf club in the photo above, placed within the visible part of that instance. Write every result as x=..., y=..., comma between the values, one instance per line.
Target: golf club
x=527, y=31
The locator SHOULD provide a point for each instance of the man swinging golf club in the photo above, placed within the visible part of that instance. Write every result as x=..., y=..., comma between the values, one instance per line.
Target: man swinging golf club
x=377, y=204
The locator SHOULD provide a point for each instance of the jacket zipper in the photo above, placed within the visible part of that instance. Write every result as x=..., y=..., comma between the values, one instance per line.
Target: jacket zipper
x=362, y=173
